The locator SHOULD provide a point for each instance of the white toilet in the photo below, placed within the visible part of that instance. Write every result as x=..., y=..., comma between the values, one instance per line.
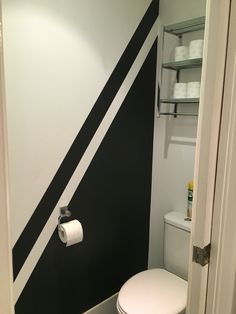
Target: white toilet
x=161, y=291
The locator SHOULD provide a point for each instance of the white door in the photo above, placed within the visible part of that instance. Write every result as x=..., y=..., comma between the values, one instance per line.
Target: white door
x=217, y=17
x=221, y=296
x=6, y=304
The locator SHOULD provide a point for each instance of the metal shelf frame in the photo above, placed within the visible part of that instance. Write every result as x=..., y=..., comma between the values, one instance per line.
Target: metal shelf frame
x=185, y=64
x=175, y=114
x=180, y=101
x=179, y=29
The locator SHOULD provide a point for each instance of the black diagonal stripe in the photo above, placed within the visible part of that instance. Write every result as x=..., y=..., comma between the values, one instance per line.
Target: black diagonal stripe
x=49, y=200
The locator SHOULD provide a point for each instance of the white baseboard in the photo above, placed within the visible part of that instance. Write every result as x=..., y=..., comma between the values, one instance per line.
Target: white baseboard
x=108, y=306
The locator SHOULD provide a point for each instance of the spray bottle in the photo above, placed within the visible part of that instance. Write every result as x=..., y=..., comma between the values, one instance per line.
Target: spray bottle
x=190, y=199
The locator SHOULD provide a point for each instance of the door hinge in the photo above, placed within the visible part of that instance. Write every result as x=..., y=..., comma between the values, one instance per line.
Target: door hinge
x=202, y=255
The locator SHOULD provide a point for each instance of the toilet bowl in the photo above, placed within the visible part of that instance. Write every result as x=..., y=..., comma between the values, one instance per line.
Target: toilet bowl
x=161, y=291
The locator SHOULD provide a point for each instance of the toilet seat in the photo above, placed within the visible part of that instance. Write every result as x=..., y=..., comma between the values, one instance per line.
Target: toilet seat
x=119, y=308
x=154, y=291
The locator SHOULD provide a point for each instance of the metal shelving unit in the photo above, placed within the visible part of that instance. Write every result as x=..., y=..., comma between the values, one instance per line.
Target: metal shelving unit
x=179, y=29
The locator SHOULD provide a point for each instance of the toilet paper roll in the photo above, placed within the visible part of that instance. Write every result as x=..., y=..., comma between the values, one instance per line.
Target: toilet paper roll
x=181, y=53
x=180, y=90
x=193, y=89
x=196, y=49
x=71, y=232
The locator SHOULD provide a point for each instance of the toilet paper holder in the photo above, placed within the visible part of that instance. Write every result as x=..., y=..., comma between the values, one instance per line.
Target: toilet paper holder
x=64, y=212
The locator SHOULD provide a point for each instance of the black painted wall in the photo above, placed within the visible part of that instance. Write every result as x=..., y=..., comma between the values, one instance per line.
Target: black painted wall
x=112, y=202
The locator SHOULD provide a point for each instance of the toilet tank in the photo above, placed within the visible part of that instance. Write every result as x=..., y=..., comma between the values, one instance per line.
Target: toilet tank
x=176, y=243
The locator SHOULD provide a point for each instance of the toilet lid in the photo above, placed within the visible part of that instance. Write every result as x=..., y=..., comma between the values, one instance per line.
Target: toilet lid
x=154, y=291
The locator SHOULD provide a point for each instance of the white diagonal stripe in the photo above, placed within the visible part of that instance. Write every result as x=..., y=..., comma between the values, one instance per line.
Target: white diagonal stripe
x=83, y=165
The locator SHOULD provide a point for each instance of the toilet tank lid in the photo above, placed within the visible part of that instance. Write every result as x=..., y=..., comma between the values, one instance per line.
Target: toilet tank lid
x=177, y=219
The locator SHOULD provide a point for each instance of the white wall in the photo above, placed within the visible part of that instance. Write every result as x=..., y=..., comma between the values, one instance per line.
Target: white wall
x=58, y=56
x=174, y=142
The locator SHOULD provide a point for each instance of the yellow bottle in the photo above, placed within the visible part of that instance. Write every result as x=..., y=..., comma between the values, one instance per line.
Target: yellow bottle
x=190, y=199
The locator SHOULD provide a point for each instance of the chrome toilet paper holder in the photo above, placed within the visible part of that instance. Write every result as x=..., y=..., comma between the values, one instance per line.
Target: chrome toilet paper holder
x=64, y=212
